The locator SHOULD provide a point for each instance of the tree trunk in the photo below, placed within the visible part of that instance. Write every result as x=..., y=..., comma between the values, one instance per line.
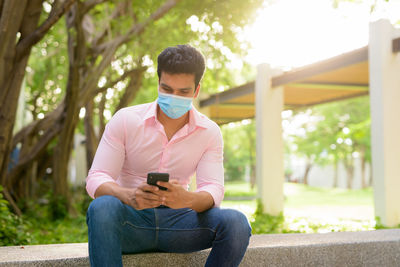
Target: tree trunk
x=17, y=18
x=350, y=172
x=133, y=87
x=92, y=140
x=102, y=123
x=370, y=182
x=252, y=175
x=22, y=17
x=62, y=152
x=363, y=174
x=252, y=146
x=306, y=172
x=336, y=174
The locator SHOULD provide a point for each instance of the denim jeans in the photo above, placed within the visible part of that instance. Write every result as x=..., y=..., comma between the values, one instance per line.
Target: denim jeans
x=116, y=229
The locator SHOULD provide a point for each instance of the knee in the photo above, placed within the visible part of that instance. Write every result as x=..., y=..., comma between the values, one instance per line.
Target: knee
x=236, y=224
x=104, y=210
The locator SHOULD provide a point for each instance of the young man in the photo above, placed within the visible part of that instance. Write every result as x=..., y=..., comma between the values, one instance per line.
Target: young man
x=170, y=136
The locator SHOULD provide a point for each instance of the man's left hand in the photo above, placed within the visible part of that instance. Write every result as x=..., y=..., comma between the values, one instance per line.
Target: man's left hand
x=175, y=197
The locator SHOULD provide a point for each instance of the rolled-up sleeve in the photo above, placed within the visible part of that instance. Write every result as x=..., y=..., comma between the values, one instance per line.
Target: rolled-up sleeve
x=210, y=169
x=110, y=155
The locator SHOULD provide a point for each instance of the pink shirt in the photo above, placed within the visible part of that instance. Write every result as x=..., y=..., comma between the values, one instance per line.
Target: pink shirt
x=134, y=143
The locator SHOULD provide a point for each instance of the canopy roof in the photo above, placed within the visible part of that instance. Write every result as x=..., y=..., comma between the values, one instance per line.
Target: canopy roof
x=341, y=77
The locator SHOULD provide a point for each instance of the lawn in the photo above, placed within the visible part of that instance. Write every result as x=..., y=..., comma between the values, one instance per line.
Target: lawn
x=307, y=201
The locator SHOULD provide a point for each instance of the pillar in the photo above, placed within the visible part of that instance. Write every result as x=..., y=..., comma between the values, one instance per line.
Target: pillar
x=269, y=140
x=384, y=81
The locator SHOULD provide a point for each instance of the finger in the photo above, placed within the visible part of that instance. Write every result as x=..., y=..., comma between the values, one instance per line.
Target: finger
x=147, y=204
x=148, y=195
x=174, y=182
x=165, y=184
x=152, y=203
x=149, y=188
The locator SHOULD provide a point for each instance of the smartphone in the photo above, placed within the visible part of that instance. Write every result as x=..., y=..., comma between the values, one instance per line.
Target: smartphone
x=154, y=177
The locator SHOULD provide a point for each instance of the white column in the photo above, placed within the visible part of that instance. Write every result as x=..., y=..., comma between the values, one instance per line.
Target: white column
x=269, y=164
x=384, y=82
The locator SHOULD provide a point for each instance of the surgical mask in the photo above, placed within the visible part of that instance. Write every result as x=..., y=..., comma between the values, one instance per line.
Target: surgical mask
x=174, y=106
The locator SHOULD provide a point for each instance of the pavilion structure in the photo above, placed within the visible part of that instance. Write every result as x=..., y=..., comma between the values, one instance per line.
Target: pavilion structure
x=373, y=70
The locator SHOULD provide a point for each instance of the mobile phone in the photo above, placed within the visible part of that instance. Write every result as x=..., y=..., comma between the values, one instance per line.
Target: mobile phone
x=154, y=177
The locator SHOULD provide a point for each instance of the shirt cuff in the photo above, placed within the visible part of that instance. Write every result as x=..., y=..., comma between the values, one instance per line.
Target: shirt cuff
x=216, y=191
x=94, y=180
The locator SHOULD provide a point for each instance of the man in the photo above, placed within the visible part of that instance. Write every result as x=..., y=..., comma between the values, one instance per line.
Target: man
x=170, y=136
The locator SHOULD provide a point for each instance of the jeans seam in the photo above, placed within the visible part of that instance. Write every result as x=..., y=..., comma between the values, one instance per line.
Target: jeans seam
x=164, y=229
x=136, y=226
x=193, y=229
x=157, y=228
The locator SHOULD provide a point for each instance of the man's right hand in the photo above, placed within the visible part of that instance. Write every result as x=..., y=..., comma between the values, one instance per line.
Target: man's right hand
x=143, y=197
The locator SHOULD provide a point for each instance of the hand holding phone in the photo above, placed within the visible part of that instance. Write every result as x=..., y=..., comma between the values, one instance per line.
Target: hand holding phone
x=154, y=177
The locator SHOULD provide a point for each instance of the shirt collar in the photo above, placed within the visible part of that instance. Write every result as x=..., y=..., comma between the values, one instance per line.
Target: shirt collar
x=196, y=119
x=151, y=111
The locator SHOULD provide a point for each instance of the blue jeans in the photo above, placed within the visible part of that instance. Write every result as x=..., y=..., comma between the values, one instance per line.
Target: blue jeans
x=116, y=228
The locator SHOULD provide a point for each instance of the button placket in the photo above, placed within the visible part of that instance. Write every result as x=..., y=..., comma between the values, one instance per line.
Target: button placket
x=164, y=157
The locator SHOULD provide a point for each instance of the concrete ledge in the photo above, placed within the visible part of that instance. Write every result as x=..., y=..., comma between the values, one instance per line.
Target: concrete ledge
x=370, y=248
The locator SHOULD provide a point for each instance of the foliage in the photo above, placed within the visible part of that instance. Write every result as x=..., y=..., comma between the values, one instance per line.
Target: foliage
x=13, y=229
x=48, y=226
x=58, y=207
x=67, y=230
x=239, y=189
x=239, y=149
x=335, y=132
x=262, y=223
x=380, y=225
x=39, y=226
x=267, y=224
x=300, y=195
x=47, y=72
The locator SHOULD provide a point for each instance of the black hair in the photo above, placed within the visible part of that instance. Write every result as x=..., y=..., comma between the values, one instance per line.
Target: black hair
x=181, y=59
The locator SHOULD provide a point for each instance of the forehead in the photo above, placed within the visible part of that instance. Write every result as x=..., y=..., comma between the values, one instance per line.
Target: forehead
x=178, y=79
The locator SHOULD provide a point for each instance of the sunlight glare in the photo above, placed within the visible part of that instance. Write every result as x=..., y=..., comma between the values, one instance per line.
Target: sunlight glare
x=292, y=33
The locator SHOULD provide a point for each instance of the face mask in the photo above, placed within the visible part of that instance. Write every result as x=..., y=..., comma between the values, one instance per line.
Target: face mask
x=174, y=106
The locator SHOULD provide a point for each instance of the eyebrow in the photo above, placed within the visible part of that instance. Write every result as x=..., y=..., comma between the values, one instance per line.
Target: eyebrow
x=180, y=89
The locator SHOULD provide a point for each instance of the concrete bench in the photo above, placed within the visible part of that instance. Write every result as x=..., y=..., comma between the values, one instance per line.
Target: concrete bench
x=370, y=248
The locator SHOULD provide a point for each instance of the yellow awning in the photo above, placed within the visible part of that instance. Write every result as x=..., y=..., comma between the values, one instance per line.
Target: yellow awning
x=341, y=77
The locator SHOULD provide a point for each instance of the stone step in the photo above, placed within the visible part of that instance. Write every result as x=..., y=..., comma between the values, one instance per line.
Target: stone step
x=369, y=248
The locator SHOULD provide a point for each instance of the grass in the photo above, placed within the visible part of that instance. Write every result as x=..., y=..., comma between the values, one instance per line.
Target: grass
x=297, y=195
x=307, y=209
x=307, y=201
x=239, y=189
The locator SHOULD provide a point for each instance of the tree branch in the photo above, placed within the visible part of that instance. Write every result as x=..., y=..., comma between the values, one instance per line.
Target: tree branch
x=56, y=13
x=89, y=4
x=121, y=78
x=11, y=201
x=115, y=14
x=131, y=89
x=1, y=5
x=138, y=28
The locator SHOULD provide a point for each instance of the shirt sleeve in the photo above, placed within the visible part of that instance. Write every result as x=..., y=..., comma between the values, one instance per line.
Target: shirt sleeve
x=210, y=170
x=110, y=155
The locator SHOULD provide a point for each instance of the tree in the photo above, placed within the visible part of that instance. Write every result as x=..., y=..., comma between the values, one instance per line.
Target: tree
x=340, y=131
x=110, y=45
x=19, y=31
x=239, y=150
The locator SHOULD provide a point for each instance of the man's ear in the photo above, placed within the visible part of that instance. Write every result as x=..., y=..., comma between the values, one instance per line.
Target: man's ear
x=196, y=93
